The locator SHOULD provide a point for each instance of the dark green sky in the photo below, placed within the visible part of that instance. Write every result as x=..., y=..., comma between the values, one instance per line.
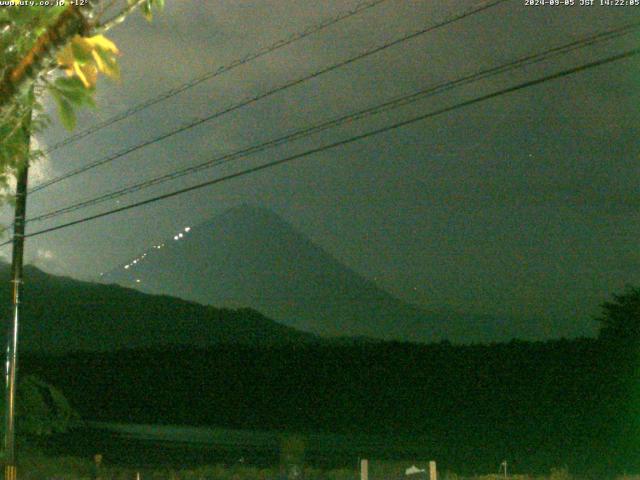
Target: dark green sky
x=524, y=205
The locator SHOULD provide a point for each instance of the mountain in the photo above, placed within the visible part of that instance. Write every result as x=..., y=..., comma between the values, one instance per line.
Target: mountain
x=250, y=257
x=60, y=314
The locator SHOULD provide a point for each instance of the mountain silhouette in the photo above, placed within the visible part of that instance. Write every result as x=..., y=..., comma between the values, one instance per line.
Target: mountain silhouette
x=60, y=314
x=250, y=257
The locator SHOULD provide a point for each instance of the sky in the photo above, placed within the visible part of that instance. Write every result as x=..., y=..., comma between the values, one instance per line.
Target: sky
x=523, y=205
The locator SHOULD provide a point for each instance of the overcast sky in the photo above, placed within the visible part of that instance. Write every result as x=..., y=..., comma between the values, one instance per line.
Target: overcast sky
x=525, y=205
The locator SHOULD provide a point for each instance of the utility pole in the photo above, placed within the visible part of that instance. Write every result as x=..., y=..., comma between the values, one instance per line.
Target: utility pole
x=17, y=255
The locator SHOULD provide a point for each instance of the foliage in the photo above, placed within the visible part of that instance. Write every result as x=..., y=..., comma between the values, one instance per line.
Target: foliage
x=82, y=59
x=25, y=35
x=37, y=466
x=560, y=474
x=292, y=448
x=536, y=404
x=464, y=403
x=72, y=468
x=42, y=409
x=620, y=318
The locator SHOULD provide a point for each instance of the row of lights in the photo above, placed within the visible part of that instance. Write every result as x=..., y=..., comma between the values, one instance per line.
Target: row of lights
x=139, y=259
x=135, y=261
x=180, y=235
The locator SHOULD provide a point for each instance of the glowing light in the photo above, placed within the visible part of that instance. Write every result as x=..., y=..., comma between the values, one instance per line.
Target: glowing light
x=180, y=235
x=126, y=267
x=187, y=229
x=137, y=280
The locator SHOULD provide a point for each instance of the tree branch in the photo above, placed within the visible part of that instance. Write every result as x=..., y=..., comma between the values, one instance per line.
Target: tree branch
x=40, y=58
x=71, y=22
x=119, y=18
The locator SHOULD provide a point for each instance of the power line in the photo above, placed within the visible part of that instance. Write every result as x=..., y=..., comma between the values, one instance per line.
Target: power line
x=530, y=83
x=219, y=71
x=269, y=93
x=386, y=106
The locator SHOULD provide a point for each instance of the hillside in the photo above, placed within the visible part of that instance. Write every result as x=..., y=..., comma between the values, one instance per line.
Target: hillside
x=61, y=314
x=250, y=257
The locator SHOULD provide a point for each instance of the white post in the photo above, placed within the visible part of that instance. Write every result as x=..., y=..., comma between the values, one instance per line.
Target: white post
x=364, y=469
x=433, y=473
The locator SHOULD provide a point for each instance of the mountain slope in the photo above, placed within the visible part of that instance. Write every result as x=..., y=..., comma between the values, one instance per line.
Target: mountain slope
x=61, y=314
x=250, y=257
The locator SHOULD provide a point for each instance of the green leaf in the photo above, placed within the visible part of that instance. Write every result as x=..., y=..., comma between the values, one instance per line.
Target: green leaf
x=146, y=10
x=65, y=110
x=112, y=69
x=74, y=91
x=80, y=54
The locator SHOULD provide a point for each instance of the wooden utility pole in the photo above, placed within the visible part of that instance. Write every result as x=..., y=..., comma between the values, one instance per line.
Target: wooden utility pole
x=17, y=257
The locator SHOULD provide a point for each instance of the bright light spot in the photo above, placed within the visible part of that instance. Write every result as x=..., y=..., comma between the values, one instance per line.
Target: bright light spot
x=176, y=237
x=180, y=235
x=137, y=280
x=126, y=267
x=187, y=229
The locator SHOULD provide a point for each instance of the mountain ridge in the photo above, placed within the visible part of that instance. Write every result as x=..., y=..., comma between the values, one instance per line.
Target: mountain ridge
x=61, y=314
x=249, y=256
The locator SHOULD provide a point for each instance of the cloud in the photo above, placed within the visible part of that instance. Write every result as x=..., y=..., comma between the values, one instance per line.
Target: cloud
x=40, y=170
x=44, y=254
x=46, y=260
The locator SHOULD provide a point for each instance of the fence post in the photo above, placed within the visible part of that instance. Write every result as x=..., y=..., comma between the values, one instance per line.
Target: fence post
x=364, y=469
x=433, y=473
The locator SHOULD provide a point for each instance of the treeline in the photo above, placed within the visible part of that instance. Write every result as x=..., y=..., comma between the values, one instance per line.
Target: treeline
x=540, y=405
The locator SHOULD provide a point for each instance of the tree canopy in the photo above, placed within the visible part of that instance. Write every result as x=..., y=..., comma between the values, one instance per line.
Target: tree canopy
x=59, y=50
x=42, y=408
x=620, y=318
